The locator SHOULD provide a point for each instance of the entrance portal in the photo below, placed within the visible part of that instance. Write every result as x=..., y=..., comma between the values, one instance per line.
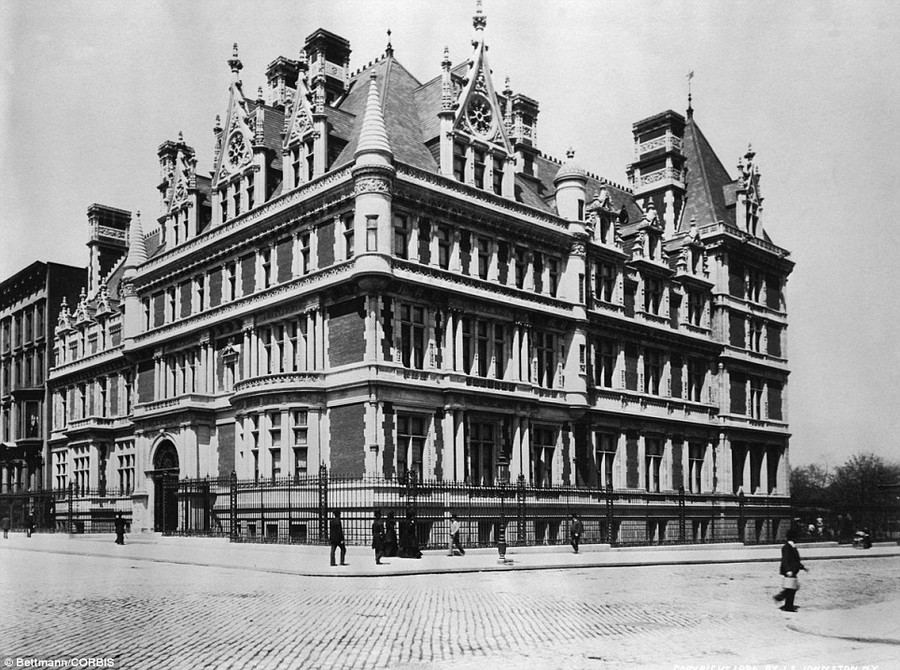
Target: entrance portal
x=165, y=482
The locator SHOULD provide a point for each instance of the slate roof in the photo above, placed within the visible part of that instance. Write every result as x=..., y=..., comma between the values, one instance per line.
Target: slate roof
x=710, y=190
x=396, y=88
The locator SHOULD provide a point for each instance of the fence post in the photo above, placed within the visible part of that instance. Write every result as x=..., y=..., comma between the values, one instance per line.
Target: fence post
x=232, y=512
x=609, y=514
x=520, y=511
x=323, y=503
x=741, y=516
x=71, y=503
x=681, y=520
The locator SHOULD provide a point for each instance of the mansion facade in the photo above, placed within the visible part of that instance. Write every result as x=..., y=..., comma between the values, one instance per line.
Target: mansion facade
x=387, y=276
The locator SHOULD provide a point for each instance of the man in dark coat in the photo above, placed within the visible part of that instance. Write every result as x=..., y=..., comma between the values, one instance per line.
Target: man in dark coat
x=390, y=537
x=790, y=569
x=378, y=537
x=120, y=529
x=576, y=528
x=336, y=536
x=4, y=524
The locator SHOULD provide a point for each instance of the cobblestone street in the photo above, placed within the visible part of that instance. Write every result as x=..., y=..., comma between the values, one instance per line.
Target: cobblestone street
x=147, y=614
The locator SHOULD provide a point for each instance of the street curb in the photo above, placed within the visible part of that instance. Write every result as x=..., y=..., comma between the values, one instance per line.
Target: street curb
x=849, y=638
x=447, y=571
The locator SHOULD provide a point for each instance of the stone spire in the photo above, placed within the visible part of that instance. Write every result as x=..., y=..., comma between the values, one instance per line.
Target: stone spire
x=373, y=138
x=137, y=249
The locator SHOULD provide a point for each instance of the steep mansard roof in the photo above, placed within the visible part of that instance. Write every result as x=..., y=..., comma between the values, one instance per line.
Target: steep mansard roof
x=710, y=190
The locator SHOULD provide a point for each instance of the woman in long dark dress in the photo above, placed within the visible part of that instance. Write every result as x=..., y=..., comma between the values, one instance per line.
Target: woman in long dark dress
x=390, y=544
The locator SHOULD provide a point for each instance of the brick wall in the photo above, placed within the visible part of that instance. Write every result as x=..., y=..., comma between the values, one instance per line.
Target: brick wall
x=347, y=440
x=248, y=274
x=145, y=381
x=226, y=449
x=284, y=254
x=346, y=332
x=215, y=287
x=326, y=244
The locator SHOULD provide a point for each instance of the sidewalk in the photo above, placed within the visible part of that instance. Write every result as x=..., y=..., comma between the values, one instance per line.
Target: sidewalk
x=313, y=561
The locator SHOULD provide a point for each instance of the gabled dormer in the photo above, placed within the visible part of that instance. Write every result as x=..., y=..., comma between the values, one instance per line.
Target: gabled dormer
x=239, y=175
x=647, y=245
x=183, y=211
x=298, y=147
x=475, y=148
x=603, y=221
x=691, y=265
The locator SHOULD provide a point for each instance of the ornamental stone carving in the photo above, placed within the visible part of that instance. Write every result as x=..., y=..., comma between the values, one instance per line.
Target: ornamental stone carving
x=371, y=184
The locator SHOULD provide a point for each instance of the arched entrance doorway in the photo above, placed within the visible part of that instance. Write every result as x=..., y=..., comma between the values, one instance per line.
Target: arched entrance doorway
x=165, y=482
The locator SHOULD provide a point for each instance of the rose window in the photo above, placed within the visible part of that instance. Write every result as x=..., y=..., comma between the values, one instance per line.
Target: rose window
x=480, y=116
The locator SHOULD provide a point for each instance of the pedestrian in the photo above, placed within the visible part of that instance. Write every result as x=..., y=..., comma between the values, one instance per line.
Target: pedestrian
x=790, y=569
x=120, y=529
x=29, y=526
x=409, y=542
x=378, y=537
x=4, y=524
x=576, y=528
x=336, y=536
x=453, y=541
x=390, y=535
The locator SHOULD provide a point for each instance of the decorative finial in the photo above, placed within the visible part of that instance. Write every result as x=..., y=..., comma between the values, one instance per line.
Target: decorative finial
x=389, y=49
x=445, y=62
x=507, y=89
x=690, y=109
x=180, y=137
x=479, y=21
x=570, y=154
x=217, y=126
x=259, y=94
x=235, y=63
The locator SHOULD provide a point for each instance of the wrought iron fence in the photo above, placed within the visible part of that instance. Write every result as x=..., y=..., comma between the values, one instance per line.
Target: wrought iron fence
x=296, y=510
x=69, y=510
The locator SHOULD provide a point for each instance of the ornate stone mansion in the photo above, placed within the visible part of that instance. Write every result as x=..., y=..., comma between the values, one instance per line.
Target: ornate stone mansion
x=388, y=276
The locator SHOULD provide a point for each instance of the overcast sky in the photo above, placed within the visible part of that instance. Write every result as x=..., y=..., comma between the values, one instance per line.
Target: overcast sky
x=89, y=90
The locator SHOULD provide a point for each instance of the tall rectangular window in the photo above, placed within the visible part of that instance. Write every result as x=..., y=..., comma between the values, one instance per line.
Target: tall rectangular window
x=653, y=289
x=200, y=287
x=223, y=203
x=521, y=266
x=652, y=371
x=265, y=260
x=756, y=331
x=606, y=458
x=545, y=347
x=443, y=247
x=696, y=377
x=552, y=276
x=305, y=253
x=756, y=398
x=250, y=191
x=411, y=435
x=401, y=236
x=479, y=169
x=543, y=447
x=231, y=282
x=605, y=362
x=299, y=429
x=481, y=347
x=481, y=462
x=696, y=455
x=499, y=351
x=497, y=176
x=371, y=232
x=652, y=463
x=349, y=242
x=696, y=305
x=171, y=303
x=484, y=257
x=412, y=336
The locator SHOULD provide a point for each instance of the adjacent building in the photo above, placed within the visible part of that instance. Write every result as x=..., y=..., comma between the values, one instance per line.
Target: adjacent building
x=385, y=276
x=29, y=303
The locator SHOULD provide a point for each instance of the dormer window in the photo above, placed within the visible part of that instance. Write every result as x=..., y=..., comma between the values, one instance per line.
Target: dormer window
x=604, y=230
x=296, y=164
x=223, y=202
x=696, y=305
x=310, y=158
x=459, y=162
x=497, y=176
x=236, y=198
x=479, y=169
x=652, y=245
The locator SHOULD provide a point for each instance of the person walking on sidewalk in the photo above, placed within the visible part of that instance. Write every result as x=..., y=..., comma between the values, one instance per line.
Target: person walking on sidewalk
x=576, y=528
x=119, y=524
x=378, y=537
x=4, y=524
x=336, y=536
x=453, y=540
x=790, y=569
